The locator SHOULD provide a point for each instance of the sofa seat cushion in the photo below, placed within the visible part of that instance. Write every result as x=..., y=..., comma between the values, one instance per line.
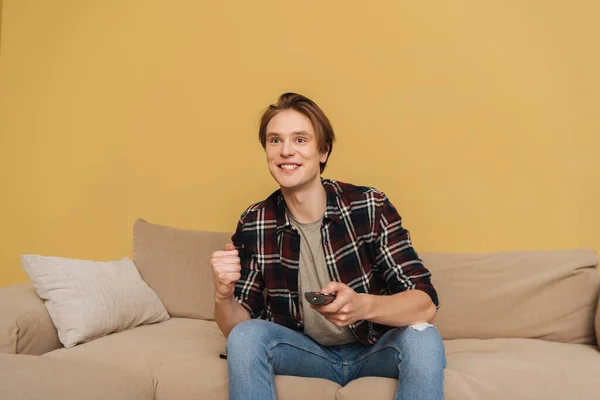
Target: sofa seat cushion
x=25, y=377
x=182, y=357
x=504, y=369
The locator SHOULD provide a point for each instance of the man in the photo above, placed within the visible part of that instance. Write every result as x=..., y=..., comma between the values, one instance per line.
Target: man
x=321, y=235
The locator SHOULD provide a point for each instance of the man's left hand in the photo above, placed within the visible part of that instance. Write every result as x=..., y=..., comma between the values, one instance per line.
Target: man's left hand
x=348, y=306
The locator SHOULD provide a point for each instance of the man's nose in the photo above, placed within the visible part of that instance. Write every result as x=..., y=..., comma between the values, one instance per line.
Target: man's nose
x=287, y=149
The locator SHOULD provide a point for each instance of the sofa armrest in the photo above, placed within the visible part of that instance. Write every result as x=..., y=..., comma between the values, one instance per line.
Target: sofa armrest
x=598, y=323
x=25, y=325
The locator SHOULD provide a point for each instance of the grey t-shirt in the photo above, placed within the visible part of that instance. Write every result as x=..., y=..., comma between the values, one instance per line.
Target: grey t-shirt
x=312, y=277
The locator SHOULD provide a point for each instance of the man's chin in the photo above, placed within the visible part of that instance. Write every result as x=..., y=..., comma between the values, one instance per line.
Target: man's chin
x=290, y=182
x=284, y=181
x=286, y=184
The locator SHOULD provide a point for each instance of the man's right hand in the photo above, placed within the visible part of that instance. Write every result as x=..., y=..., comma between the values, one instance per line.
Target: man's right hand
x=227, y=271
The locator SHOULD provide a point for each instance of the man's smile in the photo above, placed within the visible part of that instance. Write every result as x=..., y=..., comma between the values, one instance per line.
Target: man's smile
x=289, y=166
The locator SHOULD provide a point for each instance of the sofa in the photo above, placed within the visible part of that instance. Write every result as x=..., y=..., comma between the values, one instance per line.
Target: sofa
x=516, y=325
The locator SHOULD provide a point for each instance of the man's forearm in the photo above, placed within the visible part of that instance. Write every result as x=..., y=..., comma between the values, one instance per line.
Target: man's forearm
x=229, y=313
x=400, y=309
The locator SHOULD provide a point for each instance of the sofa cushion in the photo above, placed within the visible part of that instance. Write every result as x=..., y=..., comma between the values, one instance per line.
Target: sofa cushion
x=598, y=323
x=182, y=356
x=524, y=368
x=25, y=325
x=26, y=377
x=89, y=299
x=176, y=265
x=548, y=295
x=504, y=369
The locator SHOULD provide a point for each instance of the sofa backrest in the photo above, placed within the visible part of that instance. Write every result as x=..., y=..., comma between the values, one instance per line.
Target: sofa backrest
x=527, y=294
x=549, y=294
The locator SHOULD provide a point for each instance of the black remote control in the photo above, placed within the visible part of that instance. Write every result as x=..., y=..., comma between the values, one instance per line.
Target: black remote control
x=318, y=298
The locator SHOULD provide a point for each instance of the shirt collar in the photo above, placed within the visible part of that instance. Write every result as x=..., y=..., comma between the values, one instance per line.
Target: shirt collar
x=332, y=208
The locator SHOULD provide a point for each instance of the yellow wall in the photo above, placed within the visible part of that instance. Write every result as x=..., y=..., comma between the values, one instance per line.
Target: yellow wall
x=480, y=120
x=0, y=26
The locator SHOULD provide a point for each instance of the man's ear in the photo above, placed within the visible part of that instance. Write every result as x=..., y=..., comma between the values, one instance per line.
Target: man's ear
x=324, y=155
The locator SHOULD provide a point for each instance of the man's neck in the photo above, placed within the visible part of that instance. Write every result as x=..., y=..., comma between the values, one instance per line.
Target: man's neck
x=306, y=204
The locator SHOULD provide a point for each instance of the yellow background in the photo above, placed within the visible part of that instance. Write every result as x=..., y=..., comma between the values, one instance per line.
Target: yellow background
x=480, y=120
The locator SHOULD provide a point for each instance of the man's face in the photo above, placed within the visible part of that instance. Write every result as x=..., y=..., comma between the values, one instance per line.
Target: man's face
x=292, y=151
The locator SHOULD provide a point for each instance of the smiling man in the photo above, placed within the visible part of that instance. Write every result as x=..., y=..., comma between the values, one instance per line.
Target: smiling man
x=319, y=235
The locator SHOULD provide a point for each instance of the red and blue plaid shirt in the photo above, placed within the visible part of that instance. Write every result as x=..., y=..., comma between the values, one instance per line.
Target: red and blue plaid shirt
x=365, y=247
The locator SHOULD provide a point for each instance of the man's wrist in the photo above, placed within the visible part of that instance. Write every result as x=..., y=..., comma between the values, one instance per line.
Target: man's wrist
x=368, y=307
x=223, y=299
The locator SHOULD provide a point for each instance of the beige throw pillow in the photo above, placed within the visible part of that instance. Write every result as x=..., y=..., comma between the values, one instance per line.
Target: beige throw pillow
x=90, y=299
x=176, y=265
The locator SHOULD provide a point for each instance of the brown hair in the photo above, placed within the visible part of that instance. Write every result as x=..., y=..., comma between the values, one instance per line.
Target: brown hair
x=307, y=107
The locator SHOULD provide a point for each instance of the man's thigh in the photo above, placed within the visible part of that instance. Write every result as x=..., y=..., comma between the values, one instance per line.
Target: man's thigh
x=289, y=352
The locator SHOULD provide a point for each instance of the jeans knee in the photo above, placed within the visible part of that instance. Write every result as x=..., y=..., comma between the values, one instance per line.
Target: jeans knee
x=422, y=350
x=247, y=336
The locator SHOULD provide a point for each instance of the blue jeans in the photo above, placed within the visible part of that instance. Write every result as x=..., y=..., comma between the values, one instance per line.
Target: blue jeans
x=257, y=350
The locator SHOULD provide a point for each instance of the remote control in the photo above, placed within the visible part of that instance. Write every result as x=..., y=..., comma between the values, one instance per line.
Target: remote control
x=318, y=298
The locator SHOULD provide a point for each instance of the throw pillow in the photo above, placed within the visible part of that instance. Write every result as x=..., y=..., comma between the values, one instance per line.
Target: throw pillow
x=90, y=299
x=176, y=265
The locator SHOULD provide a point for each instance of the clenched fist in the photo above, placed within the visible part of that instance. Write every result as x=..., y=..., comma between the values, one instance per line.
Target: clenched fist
x=227, y=271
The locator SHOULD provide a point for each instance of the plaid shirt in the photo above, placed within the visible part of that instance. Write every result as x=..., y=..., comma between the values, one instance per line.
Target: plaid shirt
x=365, y=247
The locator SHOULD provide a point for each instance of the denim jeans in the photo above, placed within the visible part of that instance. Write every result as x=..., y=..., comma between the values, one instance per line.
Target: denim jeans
x=257, y=350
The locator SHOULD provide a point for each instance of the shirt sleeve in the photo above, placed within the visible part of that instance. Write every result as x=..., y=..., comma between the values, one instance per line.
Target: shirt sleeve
x=396, y=258
x=249, y=288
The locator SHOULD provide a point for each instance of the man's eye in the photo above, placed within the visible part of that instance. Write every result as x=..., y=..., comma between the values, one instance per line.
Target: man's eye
x=275, y=140
x=301, y=140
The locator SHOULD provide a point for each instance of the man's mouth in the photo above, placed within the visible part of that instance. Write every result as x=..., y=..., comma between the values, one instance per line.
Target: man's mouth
x=289, y=167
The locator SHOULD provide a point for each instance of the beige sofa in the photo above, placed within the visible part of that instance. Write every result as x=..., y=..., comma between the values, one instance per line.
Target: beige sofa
x=516, y=325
